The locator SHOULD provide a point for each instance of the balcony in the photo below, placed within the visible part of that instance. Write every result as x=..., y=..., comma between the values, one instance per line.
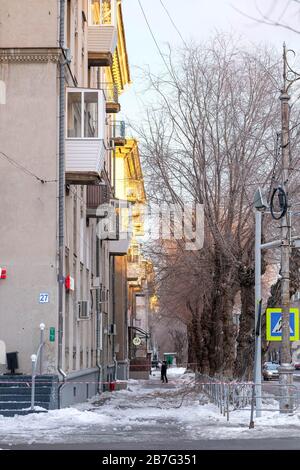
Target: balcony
x=102, y=32
x=138, y=229
x=96, y=196
x=134, y=191
x=137, y=217
x=110, y=91
x=118, y=247
x=85, y=132
x=134, y=263
x=118, y=133
x=133, y=272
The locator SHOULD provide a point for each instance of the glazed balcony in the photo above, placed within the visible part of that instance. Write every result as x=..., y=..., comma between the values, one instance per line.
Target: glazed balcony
x=85, y=150
x=102, y=32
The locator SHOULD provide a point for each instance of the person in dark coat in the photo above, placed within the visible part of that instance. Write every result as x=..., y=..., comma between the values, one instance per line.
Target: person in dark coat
x=163, y=371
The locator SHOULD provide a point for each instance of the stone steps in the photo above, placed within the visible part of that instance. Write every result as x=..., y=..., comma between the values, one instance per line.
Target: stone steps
x=15, y=394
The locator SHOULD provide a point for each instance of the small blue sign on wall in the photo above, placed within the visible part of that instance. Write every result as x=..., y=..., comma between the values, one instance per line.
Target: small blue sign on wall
x=44, y=298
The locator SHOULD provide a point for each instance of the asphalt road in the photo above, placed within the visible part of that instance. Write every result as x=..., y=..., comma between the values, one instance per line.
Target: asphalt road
x=224, y=444
x=273, y=385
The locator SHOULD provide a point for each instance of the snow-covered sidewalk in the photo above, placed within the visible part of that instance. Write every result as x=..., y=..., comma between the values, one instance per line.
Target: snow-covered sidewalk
x=147, y=411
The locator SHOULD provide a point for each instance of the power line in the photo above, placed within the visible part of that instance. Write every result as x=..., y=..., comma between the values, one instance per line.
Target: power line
x=153, y=37
x=25, y=170
x=173, y=23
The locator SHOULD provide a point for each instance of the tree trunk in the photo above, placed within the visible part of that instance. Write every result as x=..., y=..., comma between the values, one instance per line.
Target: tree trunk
x=228, y=334
x=245, y=350
x=222, y=341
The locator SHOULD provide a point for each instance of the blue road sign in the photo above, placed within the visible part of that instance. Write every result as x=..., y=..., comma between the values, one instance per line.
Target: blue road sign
x=274, y=324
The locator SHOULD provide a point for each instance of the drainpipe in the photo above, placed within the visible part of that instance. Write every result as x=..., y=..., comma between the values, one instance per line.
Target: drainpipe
x=116, y=367
x=114, y=313
x=61, y=196
x=126, y=346
x=98, y=312
x=114, y=171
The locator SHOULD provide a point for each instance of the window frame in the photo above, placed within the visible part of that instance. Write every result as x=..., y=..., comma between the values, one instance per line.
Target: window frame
x=113, y=14
x=82, y=91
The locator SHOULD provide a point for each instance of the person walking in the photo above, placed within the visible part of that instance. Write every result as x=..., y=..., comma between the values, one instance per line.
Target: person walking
x=164, y=367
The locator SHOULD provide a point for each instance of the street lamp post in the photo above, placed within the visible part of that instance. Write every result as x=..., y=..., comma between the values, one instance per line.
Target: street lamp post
x=285, y=369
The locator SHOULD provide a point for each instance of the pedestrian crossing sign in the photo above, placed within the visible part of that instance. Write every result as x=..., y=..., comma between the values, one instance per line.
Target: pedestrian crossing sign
x=274, y=324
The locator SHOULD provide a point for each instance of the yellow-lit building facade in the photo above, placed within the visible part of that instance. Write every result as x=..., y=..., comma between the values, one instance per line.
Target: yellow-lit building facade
x=139, y=271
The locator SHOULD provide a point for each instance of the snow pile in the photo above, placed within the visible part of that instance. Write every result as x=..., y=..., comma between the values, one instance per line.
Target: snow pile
x=147, y=409
x=176, y=371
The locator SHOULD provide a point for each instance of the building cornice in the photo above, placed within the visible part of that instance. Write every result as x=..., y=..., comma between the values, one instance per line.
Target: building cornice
x=30, y=55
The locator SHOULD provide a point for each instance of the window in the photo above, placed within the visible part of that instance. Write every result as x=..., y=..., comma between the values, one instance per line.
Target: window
x=88, y=249
x=82, y=239
x=69, y=24
x=101, y=12
x=90, y=114
x=74, y=114
x=134, y=253
x=2, y=92
x=95, y=12
x=85, y=113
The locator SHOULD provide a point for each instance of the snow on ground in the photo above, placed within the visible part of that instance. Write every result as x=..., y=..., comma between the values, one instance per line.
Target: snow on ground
x=146, y=410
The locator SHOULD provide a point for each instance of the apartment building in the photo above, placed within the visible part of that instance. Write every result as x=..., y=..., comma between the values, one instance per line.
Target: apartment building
x=140, y=273
x=63, y=65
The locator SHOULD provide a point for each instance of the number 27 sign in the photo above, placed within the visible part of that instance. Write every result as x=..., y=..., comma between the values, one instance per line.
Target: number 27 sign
x=44, y=298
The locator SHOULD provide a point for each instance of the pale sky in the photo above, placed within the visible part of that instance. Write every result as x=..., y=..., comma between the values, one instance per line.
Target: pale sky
x=197, y=20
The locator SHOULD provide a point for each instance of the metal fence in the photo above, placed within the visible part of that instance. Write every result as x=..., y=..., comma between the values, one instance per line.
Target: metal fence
x=119, y=129
x=110, y=91
x=230, y=396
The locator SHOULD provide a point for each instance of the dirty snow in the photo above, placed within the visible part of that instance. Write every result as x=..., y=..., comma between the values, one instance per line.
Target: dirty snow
x=146, y=408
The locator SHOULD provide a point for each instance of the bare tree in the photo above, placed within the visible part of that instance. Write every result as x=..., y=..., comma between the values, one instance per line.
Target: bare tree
x=280, y=13
x=180, y=343
x=209, y=139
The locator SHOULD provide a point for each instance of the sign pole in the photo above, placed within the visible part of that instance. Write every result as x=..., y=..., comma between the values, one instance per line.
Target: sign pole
x=257, y=361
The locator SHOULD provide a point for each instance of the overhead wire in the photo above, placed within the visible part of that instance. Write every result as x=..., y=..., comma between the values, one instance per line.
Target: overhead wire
x=173, y=23
x=153, y=36
x=30, y=173
x=25, y=170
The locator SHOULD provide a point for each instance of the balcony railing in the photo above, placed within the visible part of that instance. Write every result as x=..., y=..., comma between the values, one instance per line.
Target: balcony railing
x=118, y=133
x=102, y=32
x=138, y=229
x=96, y=195
x=133, y=271
x=112, y=97
x=133, y=191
